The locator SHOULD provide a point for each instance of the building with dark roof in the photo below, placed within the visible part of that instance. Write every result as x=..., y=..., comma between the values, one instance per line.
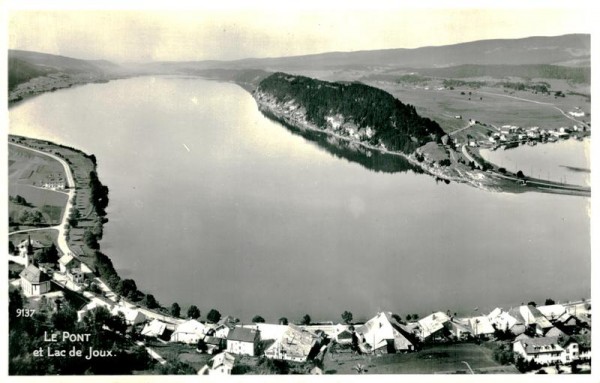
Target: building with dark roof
x=243, y=341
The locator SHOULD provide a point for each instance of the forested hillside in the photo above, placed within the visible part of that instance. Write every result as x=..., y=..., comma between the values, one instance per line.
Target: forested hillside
x=396, y=125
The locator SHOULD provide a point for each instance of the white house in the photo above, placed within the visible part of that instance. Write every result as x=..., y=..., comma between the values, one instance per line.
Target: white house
x=295, y=345
x=481, y=326
x=544, y=350
x=132, y=316
x=154, y=329
x=189, y=332
x=384, y=334
x=432, y=325
x=71, y=267
x=221, y=364
x=243, y=341
x=34, y=281
x=552, y=312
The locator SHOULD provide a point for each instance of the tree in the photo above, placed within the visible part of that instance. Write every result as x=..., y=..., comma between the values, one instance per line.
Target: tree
x=213, y=316
x=283, y=321
x=90, y=239
x=175, y=310
x=64, y=319
x=532, y=303
x=306, y=320
x=11, y=247
x=48, y=254
x=193, y=312
x=520, y=174
x=150, y=302
x=347, y=317
x=549, y=301
x=127, y=288
x=258, y=319
x=408, y=317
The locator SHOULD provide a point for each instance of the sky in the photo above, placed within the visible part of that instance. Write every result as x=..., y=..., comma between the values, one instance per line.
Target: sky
x=229, y=33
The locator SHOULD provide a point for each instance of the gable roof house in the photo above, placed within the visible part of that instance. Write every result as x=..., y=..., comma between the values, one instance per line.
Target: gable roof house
x=383, y=333
x=295, y=344
x=71, y=267
x=132, y=316
x=221, y=364
x=154, y=329
x=459, y=328
x=432, y=326
x=552, y=312
x=34, y=281
x=189, y=332
x=243, y=341
x=545, y=350
x=482, y=327
x=533, y=317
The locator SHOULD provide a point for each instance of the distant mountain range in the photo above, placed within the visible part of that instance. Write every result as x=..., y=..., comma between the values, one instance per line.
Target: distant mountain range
x=568, y=50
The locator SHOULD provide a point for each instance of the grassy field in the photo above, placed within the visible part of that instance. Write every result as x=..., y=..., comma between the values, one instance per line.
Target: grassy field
x=434, y=359
x=45, y=237
x=30, y=168
x=444, y=105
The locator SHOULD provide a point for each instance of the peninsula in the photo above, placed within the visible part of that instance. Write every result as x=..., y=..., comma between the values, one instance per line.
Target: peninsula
x=371, y=118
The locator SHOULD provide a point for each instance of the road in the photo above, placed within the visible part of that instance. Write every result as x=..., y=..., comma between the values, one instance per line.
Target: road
x=62, y=242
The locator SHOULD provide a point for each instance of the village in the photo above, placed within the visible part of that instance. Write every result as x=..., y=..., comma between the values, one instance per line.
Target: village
x=549, y=338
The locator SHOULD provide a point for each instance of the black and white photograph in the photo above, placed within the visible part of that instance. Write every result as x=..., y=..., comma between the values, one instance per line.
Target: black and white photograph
x=322, y=188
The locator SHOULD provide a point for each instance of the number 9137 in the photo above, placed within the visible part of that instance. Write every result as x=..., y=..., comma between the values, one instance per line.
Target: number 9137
x=25, y=313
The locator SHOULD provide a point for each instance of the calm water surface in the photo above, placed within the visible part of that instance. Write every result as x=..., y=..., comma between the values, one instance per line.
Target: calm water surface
x=566, y=161
x=213, y=204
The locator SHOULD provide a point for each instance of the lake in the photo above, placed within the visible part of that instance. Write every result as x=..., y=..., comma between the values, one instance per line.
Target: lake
x=566, y=161
x=213, y=204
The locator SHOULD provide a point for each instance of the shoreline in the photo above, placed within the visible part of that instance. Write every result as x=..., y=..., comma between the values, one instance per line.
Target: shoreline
x=488, y=180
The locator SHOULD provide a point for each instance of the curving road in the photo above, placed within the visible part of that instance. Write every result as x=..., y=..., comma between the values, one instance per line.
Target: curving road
x=62, y=242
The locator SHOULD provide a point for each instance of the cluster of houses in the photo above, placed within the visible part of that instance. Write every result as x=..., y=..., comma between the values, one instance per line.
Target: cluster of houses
x=512, y=133
x=546, y=335
x=542, y=335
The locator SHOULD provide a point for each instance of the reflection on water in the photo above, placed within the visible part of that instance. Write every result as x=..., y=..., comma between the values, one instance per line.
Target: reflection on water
x=370, y=159
x=213, y=204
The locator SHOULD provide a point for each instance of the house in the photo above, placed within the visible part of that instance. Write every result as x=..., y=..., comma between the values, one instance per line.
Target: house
x=71, y=267
x=189, y=332
x=132, y=316
x=571, y=348
x=383, y=333
x=459, y=328
x=552, y=312
x=507, y=321
x=545, y=350
x=221, y=364
x=432, y=326
x=243, y=341
x=533, y=317
x=214, y=345
x=34, y=281
x=481, y=327
x=296, y=344
x=154, y=329
x=269, y=331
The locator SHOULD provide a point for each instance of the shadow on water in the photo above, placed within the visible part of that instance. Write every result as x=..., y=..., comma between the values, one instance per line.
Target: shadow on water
x=370, y=159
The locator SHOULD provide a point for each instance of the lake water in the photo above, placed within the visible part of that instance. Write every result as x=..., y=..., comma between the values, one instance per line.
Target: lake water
x=213, y=204
x=566, y=161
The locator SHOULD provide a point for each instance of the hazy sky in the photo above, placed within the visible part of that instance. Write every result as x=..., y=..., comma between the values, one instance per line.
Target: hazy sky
x=233, y=34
